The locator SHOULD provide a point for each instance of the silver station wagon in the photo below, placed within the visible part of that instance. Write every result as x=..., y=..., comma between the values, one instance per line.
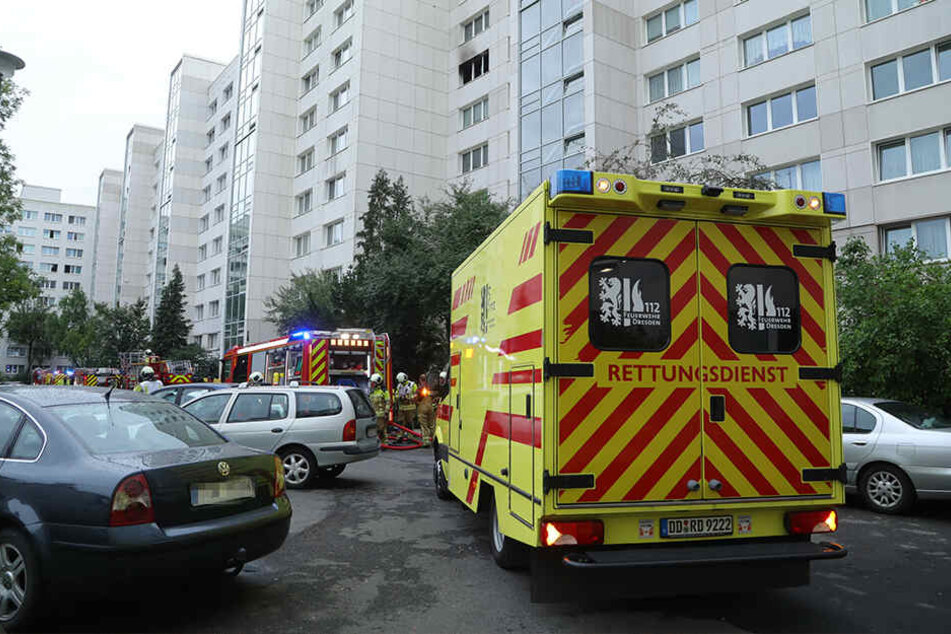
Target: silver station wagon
x=316, y=431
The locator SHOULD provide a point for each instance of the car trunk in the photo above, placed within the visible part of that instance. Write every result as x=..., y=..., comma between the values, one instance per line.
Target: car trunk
x=203, y=483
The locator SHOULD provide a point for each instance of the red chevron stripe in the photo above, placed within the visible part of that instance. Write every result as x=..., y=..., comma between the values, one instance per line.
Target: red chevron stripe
x=712, y=473
x=735, y=238
x=517, y=378
x=686, y=341
x=811, y=326
x=563, y=385
x=782, y=250
x=577, y=221
x=716, y=344
x=606, y=431
x=534, y=241
x=497, y=424
x=785, y=423
x=665, y=460
x=575, y=319
x=802, y=357
x=589, y=353
x=473, y=480
x=766, y=357
x=810, y=409
x=630, y=355
x=604, y=241
x=455, y=359
x=521, y=343
x=444, y=412
x=651, y=238
x=637, y=444
x=714, y=298
x=804, y=236
x=773, y=453
x=521, y=256
x=459, y=327
x=680, y=490
x=526, y=294
x=684, y=295
x=736, y=456
x=681, y=252
x=585, y=406
x=717, y=259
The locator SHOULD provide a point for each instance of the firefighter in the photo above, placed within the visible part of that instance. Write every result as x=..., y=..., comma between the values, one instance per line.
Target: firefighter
x=405, y=400
x=255, y=379
x=442, y=389
x=427, y=415
x=147, y=381
x=380, y=401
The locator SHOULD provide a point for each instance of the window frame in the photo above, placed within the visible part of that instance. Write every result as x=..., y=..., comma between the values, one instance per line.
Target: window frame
x=768, y=101
x=895, y=10
x=301, y=244
x=665, y=74
x=308, y=196
x=934, y=60
x=305, y=161
x=944, y=145
x=662, y=13
x=763, y=33
x=332, y=184
x=799, y=184
x=482, y=17
x=913, y=226
x=18, y=428
x=330, y=231
x=482, y=59
x=482, y=149
x=687, y=143
x=333, y=139
x=484, y=103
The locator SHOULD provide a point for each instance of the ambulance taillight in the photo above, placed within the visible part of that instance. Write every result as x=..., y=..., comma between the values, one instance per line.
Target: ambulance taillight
x=809, y=522
x=577, y=533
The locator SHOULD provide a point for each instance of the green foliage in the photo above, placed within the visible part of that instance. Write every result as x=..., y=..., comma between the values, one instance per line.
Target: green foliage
x=120, y=329
x=31, y=323
x=206, y=366
x=75, y=331
x=895, y=325
x=171, y=327
x=400, y=280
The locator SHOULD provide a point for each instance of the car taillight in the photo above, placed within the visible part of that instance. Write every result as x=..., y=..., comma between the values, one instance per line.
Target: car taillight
x=278, y=477
x=132, y=502
x=809, y=522
x=572, y=533
x=350, y=430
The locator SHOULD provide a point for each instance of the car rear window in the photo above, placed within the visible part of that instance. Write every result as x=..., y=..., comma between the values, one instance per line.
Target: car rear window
x=311, y=404
x=361, y=405
x=914, y=415
x=127, y=427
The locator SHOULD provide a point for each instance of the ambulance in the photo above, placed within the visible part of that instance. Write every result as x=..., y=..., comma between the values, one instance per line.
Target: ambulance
x=645, y=387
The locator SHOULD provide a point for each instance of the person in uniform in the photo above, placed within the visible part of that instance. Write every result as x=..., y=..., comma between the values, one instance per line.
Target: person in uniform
x=405, y=400
x=147, y=381
x=425, y=410
x=380, y=401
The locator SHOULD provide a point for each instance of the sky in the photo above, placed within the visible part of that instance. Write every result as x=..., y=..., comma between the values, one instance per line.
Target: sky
x=94, y=68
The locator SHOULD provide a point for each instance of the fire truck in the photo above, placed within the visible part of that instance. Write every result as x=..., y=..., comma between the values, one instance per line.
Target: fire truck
x=645, y=387
x=167, y=371
x=348, y=356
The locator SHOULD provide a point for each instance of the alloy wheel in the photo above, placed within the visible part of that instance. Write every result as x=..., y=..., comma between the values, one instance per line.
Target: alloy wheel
x=296, y=468
x=13, y=581
x=884, y=489
x=498, y=539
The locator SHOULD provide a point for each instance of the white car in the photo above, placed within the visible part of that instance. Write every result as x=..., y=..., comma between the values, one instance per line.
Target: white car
x=316, y=431
x=895, y=452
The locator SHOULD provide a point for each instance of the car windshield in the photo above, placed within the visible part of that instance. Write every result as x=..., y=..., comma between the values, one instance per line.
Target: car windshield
x=914, y=415
x=136, y=426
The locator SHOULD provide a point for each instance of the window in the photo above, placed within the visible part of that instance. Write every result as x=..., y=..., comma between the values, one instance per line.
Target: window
x=219, y=213
x=214, y=308
x=206, y=193
x=213, y=340
x=16, y=351
x=79, y=221
x=917, y=154
x=50, y=250
x=212, y=107
x=305, y=161
x=336, y=187
x=50, y=217
x=677, y=142
x=29, y=443
x=73, y=269
x=26, y=249
x=202, y=252
x=777, y=40
x=312, y=6
x=74, y=253
x=13, y=369
x=48, y=284
x=672, y=19
x=806, y=175
x=308, y=120
x=28, y=232
x=48, y=301
x=340, y=97
x=636, y=326
x=674, y=80
x=476, y=25
x=782, y=110
x=208, y=408
x=875, y=9
x=310, y=404
x=302, y=244
x=203, y=223
x=309, y=80
x=343, y=54
x=361, y=404
x=226, y=122
x=223, y=152
x=475, y=113
x=908, y=72
x=70, y=286
x=228, y=91
x=856, y=420
x=216, y=277
x=474, y=67
x=52, y=234
x=208, y=164
x=311, y=42
x=209, y=137
x=475, y=158
x=338, y=141
x=199, y=312
x=216, y=245
x=33, y=215
x=336, y=271
x=221, y=183
x=931, y=236
x=333, y=233
x=201, y=282
x=305, y=202
x=774, y=329
x=344, y=13
x=74, y=236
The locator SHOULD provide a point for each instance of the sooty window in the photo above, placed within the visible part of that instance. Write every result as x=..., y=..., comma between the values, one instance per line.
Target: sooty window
x=629, y=304
x=764, y=309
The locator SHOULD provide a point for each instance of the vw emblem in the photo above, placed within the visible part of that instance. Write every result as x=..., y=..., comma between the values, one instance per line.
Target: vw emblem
x=224, y=469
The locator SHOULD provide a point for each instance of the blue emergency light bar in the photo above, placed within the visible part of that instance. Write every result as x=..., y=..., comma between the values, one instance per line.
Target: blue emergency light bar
x=833, y=203
x=301, y=334
x=570, y=182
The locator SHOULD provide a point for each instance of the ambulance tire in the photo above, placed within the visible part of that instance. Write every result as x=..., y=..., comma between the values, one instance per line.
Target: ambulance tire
x=439, y=479
x=507, y=553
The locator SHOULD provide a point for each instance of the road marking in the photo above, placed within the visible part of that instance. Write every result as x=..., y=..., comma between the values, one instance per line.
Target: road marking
x=850, y=590
x=919, y=532
x=926, y=605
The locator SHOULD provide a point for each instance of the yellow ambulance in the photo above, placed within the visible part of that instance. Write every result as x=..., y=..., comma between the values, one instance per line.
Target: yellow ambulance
x=644, y=387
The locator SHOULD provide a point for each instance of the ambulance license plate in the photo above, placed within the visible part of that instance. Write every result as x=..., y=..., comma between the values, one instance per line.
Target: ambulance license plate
x=697, y=526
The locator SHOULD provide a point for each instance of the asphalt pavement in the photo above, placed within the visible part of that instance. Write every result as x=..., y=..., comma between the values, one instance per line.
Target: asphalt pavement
x=375, y=551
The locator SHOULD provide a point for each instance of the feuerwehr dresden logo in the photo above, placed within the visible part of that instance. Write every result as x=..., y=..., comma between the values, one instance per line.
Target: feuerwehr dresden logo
x=623, y=304
x=224, y=468
x=757, y=310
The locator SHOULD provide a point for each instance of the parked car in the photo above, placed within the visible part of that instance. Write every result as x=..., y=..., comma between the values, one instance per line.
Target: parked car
x=316, y=431
x=181, y=393
x=895, y=452
x=97, y=488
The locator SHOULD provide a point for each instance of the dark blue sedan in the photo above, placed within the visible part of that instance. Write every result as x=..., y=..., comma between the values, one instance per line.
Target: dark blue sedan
x=96, y=487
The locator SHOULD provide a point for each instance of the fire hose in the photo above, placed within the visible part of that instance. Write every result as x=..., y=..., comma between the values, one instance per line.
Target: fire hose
x=409, y=439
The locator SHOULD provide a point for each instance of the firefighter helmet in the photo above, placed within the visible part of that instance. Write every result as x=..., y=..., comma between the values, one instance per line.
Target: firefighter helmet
x=376, y=379
x=256, y=378
x=401, y=377
x=146, y=373
x=442, y=375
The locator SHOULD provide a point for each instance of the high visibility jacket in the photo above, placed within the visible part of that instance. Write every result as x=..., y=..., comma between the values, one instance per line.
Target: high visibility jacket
x=380, y=401
x=148, y=386
x=406, y=395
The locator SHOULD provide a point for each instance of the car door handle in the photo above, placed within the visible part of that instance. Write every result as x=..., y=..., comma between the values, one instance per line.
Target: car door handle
x=277, y=430
x=860, y=443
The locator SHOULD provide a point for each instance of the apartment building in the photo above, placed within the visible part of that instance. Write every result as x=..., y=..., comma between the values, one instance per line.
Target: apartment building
x=56, y=241
x=106, y=236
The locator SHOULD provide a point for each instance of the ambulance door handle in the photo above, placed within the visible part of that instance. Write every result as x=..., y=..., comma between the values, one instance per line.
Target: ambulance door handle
x=717, y=408
x=693, y=485
x=715, y=485
x=528, y=406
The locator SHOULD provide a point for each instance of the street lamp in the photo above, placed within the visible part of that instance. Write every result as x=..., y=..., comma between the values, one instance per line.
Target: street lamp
x=9, y=64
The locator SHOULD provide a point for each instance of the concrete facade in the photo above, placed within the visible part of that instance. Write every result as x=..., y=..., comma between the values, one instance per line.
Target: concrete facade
x=106, y=236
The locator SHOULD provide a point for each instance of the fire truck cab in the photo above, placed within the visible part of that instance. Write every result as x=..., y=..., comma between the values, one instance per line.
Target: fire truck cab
x=644, y=387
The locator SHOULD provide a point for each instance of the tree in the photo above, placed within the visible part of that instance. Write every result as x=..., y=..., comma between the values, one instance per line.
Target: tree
x=121, y=329
x=307, y=301
x=895, y=325
x=650, y=158
x=75, y=329
x=30, y=323
x=205, y=365
x=16, y=281
x=171, y=327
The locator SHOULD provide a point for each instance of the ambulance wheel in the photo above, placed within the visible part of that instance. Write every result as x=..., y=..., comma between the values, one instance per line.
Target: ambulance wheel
x=507, y=553
x=439, y=479
x=886, y=489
